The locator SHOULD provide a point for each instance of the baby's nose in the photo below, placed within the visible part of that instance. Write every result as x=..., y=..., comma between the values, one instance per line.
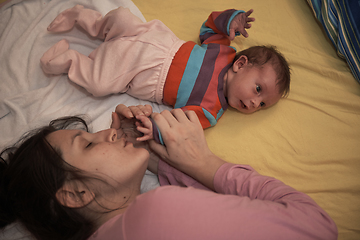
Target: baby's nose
x=255, y=102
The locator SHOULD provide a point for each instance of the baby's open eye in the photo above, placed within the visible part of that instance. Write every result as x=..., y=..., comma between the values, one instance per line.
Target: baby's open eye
x=258, y=88
x=262, y=104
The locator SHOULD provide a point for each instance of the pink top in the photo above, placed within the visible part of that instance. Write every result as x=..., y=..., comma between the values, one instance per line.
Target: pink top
x=246, y=205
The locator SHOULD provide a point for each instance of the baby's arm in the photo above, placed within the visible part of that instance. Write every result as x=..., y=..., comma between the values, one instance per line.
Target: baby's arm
x=222, y=27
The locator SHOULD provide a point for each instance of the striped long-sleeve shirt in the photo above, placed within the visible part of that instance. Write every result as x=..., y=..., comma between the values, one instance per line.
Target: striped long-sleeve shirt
x=195, y=80
x=196, y=77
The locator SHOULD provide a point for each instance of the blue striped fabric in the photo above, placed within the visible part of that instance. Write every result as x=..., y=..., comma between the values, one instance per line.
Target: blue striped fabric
x=341, y=20
x=192, y=69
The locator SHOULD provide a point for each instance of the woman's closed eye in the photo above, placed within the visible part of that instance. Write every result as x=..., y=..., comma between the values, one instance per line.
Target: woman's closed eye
x=88, y=145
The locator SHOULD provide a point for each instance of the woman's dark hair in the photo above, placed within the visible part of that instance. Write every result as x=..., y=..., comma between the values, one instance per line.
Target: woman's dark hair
x=30, y=175
x=260, y=55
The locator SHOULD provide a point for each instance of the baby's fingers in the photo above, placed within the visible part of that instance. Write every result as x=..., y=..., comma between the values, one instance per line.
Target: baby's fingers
x=249, y=12
x=144, y=127
x=244, y=32
x=231, y=34
x=148, y=134
x=144, y=138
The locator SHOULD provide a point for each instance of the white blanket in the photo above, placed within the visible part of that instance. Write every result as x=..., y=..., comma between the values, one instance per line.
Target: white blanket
x=30, y=99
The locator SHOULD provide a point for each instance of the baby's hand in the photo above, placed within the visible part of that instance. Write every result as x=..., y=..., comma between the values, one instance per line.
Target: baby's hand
x=144, y=125
x=240, y=23
x=125, y=120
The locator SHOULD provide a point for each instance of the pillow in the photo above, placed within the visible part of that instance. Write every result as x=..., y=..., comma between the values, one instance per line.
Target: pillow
x=341, y=20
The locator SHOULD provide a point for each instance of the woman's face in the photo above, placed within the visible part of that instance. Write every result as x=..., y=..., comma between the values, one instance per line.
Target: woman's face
x=102, y=153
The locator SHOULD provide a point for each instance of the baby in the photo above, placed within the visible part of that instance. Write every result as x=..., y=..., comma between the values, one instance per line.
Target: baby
x=147, y=61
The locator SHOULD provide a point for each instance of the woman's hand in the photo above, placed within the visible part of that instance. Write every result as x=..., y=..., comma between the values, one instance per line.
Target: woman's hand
x=240, y=23
x=185, y=145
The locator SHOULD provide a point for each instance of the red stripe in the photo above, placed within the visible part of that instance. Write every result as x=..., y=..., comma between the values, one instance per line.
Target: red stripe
x=210, y=21
x=219, y=39
x=176, y=72
x=225, y=57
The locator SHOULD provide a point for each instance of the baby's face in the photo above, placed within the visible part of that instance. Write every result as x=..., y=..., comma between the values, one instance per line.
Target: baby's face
x=253, y=88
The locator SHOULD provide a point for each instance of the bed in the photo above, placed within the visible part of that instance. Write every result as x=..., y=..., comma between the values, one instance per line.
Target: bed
x=310, y=140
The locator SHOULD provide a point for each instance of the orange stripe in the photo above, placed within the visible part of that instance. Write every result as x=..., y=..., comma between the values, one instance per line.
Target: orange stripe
x=176, y=72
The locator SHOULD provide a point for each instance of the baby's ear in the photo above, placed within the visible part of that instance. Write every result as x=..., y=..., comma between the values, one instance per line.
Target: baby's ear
x=241, y=62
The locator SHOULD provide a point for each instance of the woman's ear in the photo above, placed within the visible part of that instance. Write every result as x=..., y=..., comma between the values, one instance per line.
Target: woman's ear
x=241, y=62
x=74, y=195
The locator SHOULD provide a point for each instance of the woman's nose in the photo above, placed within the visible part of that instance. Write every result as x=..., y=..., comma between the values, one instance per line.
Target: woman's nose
x=108, y=135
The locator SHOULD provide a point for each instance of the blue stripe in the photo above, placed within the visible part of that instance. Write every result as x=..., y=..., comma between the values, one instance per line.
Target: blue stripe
x=189, y=77
x=161, y=139
x=210, y=117
x=233, y=48
x=204, y=29
x=317, y=6
x=220, y=113
x=340, y=19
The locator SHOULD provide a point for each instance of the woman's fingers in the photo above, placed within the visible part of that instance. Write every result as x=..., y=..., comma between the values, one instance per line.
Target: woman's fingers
x=141, y=110
x=133, y=111
x=164, y=120
x=193, y=117
x=179, y=115
x=147, y=109
x=123, y=110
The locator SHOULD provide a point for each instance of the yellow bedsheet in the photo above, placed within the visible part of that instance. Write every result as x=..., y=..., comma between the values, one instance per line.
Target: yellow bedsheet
x=311, y=140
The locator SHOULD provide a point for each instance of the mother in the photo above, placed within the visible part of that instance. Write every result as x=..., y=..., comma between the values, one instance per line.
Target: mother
x=66, y=183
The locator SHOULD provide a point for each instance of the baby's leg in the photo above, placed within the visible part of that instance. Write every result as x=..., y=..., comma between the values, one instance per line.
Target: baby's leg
x=67, y=19
x=57, y=59
x=118, y=22
x=99, y=73
x=60, y=59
